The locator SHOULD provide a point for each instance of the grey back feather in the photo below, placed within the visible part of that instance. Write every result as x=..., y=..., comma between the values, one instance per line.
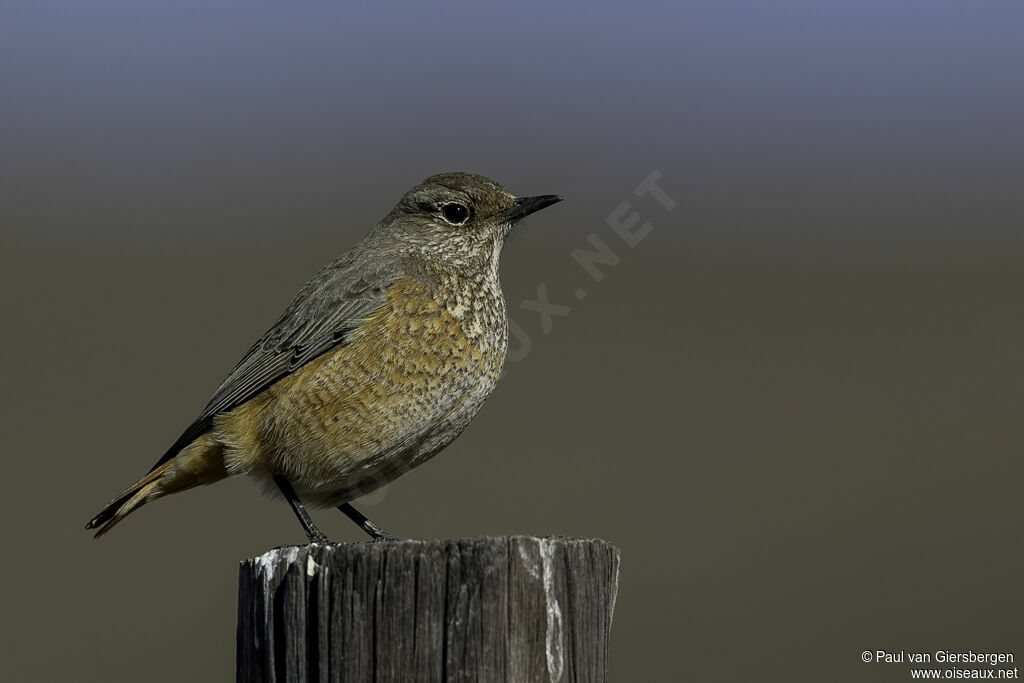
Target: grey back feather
x=318, y=319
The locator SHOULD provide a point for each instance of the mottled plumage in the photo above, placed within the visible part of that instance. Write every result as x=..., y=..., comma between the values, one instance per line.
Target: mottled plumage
x=379, y=362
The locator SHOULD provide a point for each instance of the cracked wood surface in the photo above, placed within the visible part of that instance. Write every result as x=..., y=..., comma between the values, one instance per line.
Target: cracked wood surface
x=513, y=608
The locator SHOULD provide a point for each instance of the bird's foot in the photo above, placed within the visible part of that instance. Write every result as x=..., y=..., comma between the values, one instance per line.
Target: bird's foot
x=372, y=530
x=319, y=538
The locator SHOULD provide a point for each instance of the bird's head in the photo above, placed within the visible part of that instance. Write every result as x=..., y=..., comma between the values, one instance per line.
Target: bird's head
x=459, y=219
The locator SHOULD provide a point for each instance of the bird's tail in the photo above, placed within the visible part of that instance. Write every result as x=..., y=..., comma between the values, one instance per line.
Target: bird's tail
x=201, y=462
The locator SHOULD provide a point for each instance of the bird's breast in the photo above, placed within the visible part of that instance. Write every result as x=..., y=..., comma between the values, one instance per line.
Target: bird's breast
x=406, y=381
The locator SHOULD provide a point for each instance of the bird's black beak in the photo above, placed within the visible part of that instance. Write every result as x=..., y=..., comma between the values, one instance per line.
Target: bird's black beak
x=524, y=206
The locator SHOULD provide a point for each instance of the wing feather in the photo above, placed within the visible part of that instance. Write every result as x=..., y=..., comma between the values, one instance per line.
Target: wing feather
x=319, y=318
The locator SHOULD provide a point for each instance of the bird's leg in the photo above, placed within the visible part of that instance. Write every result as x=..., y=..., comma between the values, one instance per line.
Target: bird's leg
x=314, y=534
x=375, y=532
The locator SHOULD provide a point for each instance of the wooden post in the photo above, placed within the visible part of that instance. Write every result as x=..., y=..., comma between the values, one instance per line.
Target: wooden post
x=514, y=608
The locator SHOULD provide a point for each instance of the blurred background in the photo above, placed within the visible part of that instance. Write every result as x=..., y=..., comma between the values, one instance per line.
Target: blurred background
x=795, y=404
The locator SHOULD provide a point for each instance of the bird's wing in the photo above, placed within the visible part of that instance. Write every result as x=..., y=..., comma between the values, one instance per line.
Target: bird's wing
x=319, y=318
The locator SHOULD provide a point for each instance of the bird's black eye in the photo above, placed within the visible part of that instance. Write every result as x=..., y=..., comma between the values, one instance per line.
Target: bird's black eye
x=454, y=213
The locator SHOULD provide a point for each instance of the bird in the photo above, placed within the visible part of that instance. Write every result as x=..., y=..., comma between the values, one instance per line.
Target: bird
x=378, y=363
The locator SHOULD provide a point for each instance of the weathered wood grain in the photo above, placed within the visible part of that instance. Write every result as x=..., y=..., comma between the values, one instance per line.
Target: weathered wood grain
x=514, y=609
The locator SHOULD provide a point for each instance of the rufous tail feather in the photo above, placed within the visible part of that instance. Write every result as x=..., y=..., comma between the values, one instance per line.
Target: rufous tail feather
x=201, y=462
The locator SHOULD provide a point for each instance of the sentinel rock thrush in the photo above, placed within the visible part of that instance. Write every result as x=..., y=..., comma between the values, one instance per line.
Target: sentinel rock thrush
x=377, y=364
